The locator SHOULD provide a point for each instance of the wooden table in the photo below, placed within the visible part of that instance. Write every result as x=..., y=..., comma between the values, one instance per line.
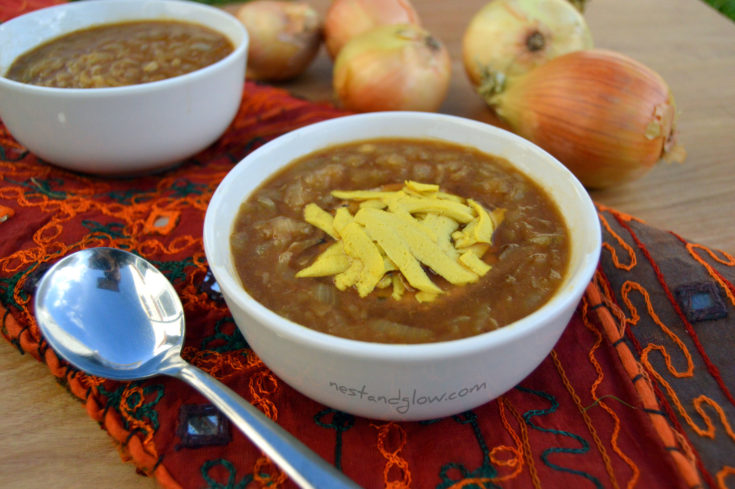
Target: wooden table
x=46, y=438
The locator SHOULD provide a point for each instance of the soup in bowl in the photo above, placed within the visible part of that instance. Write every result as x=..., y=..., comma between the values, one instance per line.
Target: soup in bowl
x=401, y=265
x=121, y=87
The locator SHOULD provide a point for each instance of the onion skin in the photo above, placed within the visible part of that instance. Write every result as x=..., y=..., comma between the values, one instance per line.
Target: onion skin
x=605, y=116
x=580, y=5
x=284, y=36
x=392, y=67
x=507, y=38
x=346, y=19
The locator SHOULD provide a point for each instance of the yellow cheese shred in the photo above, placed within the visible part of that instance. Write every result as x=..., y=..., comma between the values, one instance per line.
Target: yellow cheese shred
x=474, y=263
x=316, y=216
x=396, y=238
x=396, y=247
x=332, y=261
x=407, y=231
x=360, y=247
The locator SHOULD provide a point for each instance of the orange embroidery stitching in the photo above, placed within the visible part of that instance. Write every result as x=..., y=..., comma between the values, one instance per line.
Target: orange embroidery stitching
x=614, y=255
x=267, y=474
x=263, y=384
x=515, y=459
x=394, y=460
x=699, y=403
x=613, y=325
x=220, y=365
x=593, y=391
x=526, y=443
x=126, y=410
x=629, y=286
x=729, y=260
x=709, y=431
x=726, y=471
x=586, y=418
x=621, y=215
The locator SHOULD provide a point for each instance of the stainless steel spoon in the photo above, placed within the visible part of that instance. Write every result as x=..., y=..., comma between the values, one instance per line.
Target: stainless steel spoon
x=113, y=314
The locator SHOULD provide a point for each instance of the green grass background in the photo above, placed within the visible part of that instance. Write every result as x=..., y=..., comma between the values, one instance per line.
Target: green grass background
x=726, y=7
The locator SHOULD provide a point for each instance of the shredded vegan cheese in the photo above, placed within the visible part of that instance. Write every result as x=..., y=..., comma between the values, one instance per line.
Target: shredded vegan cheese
x=395, y=236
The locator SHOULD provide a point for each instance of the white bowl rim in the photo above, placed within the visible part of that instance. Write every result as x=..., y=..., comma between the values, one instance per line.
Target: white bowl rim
x=407, y=352
x=138, y=87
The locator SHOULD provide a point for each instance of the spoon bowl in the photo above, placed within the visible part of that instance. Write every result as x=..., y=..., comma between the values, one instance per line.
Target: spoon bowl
x=112, y=314
x=105, y=284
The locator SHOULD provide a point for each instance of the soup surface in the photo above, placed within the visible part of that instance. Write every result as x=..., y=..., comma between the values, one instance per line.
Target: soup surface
x=126, y=53
x=272, y=243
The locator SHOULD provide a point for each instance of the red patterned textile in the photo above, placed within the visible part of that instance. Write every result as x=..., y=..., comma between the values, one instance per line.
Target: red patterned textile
x=638, y=392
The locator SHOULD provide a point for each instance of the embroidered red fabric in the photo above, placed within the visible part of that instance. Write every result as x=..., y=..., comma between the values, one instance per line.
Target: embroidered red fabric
x=638, y=393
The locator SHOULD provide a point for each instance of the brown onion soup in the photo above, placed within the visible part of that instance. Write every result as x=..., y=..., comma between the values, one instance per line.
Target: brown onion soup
x=271, y=242
x=120, y=54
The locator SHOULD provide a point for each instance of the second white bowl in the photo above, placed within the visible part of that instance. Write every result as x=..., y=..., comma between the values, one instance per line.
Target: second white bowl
x=121, y=130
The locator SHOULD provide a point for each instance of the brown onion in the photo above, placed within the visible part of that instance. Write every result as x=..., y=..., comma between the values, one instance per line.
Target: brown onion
x=507, y=38
x=284, y=38
x=605, y=116
x=346, y=19
x=393, y=67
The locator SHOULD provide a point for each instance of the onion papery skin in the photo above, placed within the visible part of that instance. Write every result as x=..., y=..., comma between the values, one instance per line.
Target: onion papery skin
x=393, y=67
x=346, y=19
x=285, y=37
x=606, y=117
x=498, y=41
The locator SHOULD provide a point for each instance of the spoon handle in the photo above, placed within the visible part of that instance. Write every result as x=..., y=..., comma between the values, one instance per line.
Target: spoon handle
x=302, y=465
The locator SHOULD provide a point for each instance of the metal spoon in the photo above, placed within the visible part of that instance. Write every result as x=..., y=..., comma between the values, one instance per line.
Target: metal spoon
x=114, y=315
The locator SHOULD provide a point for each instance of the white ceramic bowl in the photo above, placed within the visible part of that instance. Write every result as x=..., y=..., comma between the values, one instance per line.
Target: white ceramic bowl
x=121, y=130
x=403, y=382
